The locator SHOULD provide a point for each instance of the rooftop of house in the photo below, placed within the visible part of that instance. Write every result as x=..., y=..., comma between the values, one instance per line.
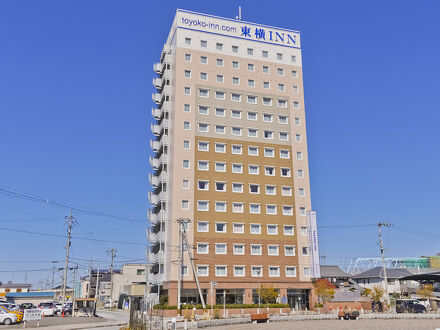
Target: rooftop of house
x=332, y=271
x=377, y=272
x=10, y=285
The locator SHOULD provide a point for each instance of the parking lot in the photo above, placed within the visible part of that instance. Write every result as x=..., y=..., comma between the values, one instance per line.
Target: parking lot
x=56, y=320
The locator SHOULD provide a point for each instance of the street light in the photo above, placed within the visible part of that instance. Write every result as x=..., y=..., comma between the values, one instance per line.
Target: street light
x=213, y=285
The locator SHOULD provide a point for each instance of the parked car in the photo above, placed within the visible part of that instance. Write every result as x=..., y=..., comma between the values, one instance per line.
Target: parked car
x=67, y=309
x=409, y=306
x=7, y=318
x=26, y=306
x=47, y=308
x=59, y=308
x=6, y=304
x=18, y=313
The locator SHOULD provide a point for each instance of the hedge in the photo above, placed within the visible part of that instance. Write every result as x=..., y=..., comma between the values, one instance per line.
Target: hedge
x=228, y=306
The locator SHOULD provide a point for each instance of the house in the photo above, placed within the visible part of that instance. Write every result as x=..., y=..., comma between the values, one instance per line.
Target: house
x=129, y=281
x=334, y=274
x=13, y=287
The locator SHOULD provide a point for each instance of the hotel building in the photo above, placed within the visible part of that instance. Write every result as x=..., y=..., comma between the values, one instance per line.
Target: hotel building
x=230, y=154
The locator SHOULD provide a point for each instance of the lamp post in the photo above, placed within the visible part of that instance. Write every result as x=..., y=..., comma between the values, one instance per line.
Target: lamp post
x=259, y=291
x=213, y=285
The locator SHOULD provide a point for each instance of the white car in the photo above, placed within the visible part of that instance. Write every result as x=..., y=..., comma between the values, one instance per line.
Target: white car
x=7, y=318
x=47, y=308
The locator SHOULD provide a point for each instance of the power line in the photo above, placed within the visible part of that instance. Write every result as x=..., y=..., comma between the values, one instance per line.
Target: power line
x=348, y=226
x=62, y=205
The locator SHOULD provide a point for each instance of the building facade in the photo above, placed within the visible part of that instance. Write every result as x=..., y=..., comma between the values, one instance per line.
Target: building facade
x=230, y=154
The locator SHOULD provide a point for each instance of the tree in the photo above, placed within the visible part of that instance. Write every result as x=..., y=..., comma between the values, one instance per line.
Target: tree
x=377, y=294
x=268, y=294
x=324, y=289
x=366, y=292
x=425, y=291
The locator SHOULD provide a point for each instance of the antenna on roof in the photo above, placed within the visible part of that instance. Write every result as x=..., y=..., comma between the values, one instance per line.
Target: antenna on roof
x=239, y=13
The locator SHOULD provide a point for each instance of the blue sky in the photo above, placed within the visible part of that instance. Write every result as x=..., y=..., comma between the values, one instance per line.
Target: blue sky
x=75, y=99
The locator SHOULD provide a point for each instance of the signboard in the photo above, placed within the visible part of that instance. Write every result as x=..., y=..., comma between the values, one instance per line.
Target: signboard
x=315, y=271
x=237, y=29
x=33, y=314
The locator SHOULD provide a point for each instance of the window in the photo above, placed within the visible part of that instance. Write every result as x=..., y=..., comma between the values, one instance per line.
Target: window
x=185, y=144
x=203, y=43
x=220, y=227
x=250, y=67
x=220, y=78
x=299, y=155
x=238, y=228
x=235, y=65
x=256, y=250
x=294, y=74
x=221, y=271
x=267, y=101
x=281, y=87
x=202, y=185
x=251, y=99
x=300, y=174
x=185, y=184
x=254, y=169
x=269, y=152
x=203, y=76
x=239, y=271
x=254, y=188
x=203, y=110
x=236, y=97
x=285, y=172
x=280, y=72
x=237, y=187
x=295, y=89
x=188, y=41
x=219, y=46
x=187, y=74
x=236, y=114
x=186, y=108
x=203, y=146
x=306, y=272
x=265, y=69
x=185, y=204
x=250, y=51
x=267, y=117
x=272, y=229
x=203, y=226
x=235, y=81
x=185, y=163
x=203, y=165
x=202, y=205
x=203, y=59
x=188, y=57
x=305, y=251
x=253, y=151
x=298, y=137
x=220, y=167
x=296, y=105
x=290, y=271
x=202, y=270
x=237, y=207
x=302, y=211
x=220, y=248
x=202, y=248
x=272, y=250
x=268, y=135
x=220, y=147
x=279, y=56
x=289, y=230
x=202, y=127
x=255, y=229
x=220, y=186
x=219, y=62
x=220, y=129
x=237, y=168
x=235, y=49
x=282, y=103
x=251, y=83
x=203, y=92
x=269, y=170
x=293, y=58
x=287, y=210
x=265, y=53
x=220, y=95
x=237, y=149
x=284, y=136
x=186, y=125
x=187, y=91
x=301, y=192
x=251, y=115
x=236, y=131
x=285, y=154
x=286, y=191
x=304, y=231
x=271, y=190
x=254, y=208
x=274, y=271
x=220, y=112
x=271, y=209
x=297, y=121
x=257, y=271
x=252, y=132
x=289, y=250
x=266, y=84
x=184, y=271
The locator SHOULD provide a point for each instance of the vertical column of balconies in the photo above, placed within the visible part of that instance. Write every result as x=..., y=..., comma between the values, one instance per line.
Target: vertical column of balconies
x=159, y=163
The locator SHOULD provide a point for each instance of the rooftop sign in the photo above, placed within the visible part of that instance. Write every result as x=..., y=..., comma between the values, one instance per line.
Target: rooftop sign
x=237, y=29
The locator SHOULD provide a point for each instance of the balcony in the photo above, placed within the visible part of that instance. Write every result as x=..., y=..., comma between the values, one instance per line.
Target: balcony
x=157, y=113
x=156, y=181
x=157, y=98
x=156, y=163
x=158, y=129
x=158, y=68
x=158, y=83
x=155, y=217
x=156, y=199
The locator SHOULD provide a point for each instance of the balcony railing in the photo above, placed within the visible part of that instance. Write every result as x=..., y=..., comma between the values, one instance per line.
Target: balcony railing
x=158, y=68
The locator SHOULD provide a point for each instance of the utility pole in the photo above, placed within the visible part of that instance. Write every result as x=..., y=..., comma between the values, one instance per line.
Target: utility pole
x=112, y=252
x=90, y=279
x=180, y=221
x=384, y=269
x=75, y=269
x=97, y=286
x=70, y=222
